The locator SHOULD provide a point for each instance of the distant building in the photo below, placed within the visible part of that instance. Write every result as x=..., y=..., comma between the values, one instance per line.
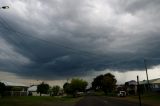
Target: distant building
x=131, y=87
x=32, y=91
x=154, y=85
x=15, y=89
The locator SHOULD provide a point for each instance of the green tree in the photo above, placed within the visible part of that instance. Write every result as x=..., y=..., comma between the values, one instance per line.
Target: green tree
x=97, y=83
x=42, y=88
x=55, y=90
x=105, y=82
x=76, y=85
x=67, y=88
x=2, y=89
x=108, y=83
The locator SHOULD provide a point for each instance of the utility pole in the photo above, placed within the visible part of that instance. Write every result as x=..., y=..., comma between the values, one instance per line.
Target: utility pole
x=148, y=87
x=139, y=93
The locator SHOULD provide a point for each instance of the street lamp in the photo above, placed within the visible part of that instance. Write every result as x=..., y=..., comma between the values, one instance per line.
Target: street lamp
x=4, y=7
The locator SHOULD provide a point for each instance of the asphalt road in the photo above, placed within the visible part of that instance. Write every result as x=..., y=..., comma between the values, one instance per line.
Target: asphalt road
x=99, y=101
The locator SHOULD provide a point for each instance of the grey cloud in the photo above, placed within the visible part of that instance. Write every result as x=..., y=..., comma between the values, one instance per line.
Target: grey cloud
x=72, y=38
x=141, y=5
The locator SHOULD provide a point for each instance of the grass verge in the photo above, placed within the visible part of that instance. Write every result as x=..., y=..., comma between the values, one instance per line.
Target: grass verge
x=151, y=100
x=38, y=101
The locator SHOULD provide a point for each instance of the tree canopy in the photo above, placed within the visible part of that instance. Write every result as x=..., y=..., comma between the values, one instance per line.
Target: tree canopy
x=2, y=89
x=97, y=82
x=76, y=85
x=55, y=90
x=42, y=88
x=105, y=82
x=67, y=88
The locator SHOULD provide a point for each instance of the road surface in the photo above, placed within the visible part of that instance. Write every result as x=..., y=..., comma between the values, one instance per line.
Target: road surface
x=100, y=101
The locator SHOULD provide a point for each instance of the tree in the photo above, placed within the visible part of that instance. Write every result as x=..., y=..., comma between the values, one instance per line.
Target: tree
x=97, y=83
x=2, y=89
x=76, y=85
x=108, y=83
x=67, y=88
x=55, y=90
x=42, y=88
x=105, y=82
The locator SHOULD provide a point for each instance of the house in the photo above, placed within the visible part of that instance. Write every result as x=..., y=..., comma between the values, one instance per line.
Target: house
x=15, y=89
x=131, y=87
x=154, y=85
x=32, y=91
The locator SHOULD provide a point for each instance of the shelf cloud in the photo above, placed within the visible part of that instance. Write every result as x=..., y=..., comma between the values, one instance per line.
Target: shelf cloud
x=64, y=38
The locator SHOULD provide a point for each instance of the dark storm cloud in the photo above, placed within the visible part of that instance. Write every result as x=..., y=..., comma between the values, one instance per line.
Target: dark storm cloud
x=58, y=39
x=141, y=5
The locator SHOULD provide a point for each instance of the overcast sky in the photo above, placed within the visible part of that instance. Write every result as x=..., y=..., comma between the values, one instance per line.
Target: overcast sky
x=60, y=39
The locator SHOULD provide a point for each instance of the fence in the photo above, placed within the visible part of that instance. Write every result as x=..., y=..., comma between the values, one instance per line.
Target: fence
x=16, y=93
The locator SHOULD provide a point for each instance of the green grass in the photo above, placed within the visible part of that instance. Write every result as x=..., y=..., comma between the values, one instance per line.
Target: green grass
x=148, y=99
x=38, y=101
x=153, y=100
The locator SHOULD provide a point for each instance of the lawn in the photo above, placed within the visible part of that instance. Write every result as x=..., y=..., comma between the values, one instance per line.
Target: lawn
x=152, y=100
x=147, y=99
x=38, y=101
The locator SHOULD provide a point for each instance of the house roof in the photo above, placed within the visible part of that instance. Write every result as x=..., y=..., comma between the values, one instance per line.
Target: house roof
x=152, y=81
x=32, y=88
x=156, y=81
x=132, y=82
x=7, y=83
